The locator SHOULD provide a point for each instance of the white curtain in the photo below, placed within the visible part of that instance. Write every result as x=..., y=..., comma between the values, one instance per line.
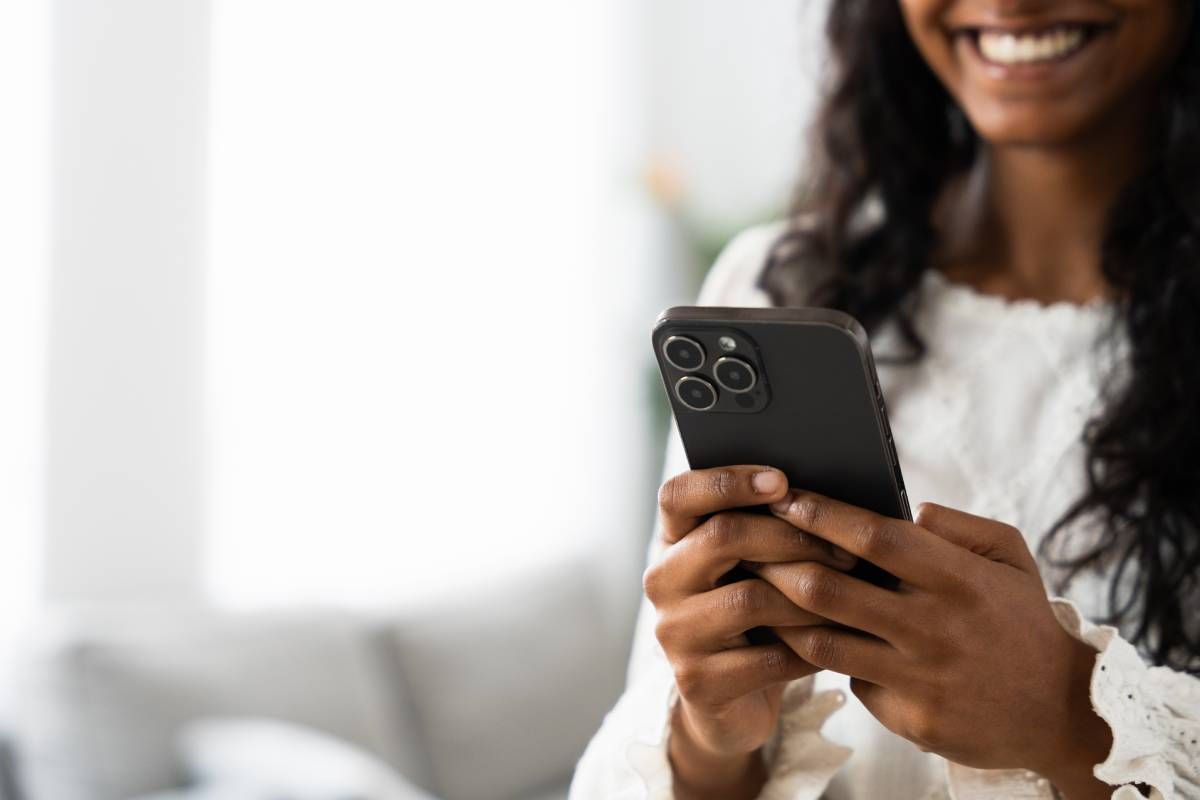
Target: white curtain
x=427, y=307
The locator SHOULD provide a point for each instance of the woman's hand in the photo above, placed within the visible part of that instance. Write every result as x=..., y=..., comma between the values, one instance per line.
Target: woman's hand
x=966, y=658
x=730, y=690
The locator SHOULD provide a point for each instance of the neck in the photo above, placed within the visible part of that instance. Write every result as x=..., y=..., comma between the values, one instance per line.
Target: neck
x=1029, y=222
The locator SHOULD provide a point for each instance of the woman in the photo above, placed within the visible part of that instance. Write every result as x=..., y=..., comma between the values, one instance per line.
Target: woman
x=1009, y=199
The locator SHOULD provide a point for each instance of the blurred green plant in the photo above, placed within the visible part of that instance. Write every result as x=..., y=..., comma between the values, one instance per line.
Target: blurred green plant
x=703, y=238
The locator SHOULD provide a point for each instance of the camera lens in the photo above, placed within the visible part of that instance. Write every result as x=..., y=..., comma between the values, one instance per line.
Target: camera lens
x=734, y=374
x=696, y=393
x=684, y=353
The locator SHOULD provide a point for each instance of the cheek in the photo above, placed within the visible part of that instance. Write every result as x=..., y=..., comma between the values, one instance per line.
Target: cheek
x=923, y=18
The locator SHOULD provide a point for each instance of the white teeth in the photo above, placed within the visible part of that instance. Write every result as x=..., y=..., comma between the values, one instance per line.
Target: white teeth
x=1006, y=48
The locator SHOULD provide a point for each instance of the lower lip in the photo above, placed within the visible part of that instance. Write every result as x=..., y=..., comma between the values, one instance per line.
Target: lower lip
x=1036, y=72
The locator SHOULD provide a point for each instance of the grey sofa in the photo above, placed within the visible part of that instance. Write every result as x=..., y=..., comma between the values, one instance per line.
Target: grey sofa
x=489, y=698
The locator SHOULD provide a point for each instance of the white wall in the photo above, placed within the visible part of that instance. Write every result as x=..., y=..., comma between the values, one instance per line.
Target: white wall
x=24, y=165
x=125, y=495
x=732, y=86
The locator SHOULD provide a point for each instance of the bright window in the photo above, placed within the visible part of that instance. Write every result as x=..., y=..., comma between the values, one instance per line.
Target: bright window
x=24, y=112
x=411, y=377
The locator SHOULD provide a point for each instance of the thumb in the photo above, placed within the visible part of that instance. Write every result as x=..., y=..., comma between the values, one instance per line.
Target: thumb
x=993, y=540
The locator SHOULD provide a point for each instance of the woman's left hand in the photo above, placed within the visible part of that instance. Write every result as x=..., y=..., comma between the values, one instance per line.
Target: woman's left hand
x=965, y=658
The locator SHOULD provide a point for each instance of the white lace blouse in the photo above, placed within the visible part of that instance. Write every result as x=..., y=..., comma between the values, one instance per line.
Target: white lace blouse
x=988, y=422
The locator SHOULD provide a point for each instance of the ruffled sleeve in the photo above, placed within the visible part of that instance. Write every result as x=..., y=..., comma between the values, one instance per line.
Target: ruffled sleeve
x=627, y=757
x=1154, y=713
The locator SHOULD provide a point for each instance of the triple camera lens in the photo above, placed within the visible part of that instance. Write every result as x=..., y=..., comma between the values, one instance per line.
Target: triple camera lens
x=695, y=393
x=719, y=371
x=684, y=353
x=734, y=374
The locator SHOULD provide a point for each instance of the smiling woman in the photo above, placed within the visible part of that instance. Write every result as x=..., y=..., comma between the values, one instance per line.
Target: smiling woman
x=1006, y=198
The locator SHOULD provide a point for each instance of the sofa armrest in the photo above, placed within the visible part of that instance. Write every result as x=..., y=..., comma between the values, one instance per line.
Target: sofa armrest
x=9, y=788
x=510, y=679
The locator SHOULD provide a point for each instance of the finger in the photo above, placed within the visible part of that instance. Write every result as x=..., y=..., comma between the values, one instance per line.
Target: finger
x=875, y=698
x=847, y=652
x=904, y=549
x=842, y=598
x=718, y=679
x=890, y=709
x=715, y=620
x=684, y=500
x=724, y=540
x=995, y=541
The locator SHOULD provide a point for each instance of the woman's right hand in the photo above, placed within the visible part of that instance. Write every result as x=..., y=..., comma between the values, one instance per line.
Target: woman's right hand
x=730, y=690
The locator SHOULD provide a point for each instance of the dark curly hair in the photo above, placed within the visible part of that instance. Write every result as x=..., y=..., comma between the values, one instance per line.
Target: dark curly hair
x=888, y=137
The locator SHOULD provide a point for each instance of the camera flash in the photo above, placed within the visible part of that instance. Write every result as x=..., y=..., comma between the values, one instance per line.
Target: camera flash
x=727, y=344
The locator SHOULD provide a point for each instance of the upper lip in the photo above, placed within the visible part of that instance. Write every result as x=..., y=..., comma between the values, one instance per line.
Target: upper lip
x=1017, y=25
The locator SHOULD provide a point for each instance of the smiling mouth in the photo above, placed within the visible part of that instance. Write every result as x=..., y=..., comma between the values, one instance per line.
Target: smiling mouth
x=1008, y=48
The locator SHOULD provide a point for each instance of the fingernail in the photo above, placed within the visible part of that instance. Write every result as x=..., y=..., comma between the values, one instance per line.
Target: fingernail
x=782, y=505
x=767, y=482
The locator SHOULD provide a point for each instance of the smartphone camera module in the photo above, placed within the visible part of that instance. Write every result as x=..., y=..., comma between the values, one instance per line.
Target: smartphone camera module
x=734, y=374
x=683, y=353
x=695, y=393
x=712, y=368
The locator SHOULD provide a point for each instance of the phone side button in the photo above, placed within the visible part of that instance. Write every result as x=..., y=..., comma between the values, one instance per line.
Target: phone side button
x=904, y=500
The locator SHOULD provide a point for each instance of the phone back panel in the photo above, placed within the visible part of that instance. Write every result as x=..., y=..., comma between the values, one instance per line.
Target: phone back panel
x=821, y=417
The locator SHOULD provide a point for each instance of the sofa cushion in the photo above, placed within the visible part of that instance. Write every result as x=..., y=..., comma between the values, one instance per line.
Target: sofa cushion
x=102, y=699
x=266, y=759
x=510, y=683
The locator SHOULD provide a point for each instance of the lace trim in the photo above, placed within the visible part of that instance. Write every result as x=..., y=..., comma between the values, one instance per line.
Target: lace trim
x=1153, y=713
x=800, y=762
x=967, y=299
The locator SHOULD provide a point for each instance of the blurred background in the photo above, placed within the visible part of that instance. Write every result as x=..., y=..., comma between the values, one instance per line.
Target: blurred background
x=329, y=431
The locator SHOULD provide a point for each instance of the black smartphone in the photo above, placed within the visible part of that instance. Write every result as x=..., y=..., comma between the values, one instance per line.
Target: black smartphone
x=792, y=388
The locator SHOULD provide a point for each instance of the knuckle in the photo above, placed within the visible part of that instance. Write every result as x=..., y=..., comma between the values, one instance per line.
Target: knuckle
x=820, y=646
x=744, y=598
x=666, y=630
x=806, y=542
x=721, y=531
x=814, y=587
x=690, y=681
x=775, y=662
x=1011, y=535
x=722, y=483
x=877, y=538
x=672, y=493
x=926, y=512
x=654, y=583
x=806, y=510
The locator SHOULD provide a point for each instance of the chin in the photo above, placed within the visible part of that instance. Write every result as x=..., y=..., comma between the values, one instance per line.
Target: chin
x=1031, y=126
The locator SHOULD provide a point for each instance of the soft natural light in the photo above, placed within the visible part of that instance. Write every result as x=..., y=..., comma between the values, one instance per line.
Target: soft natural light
x=408, y=382
x=24, y=94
